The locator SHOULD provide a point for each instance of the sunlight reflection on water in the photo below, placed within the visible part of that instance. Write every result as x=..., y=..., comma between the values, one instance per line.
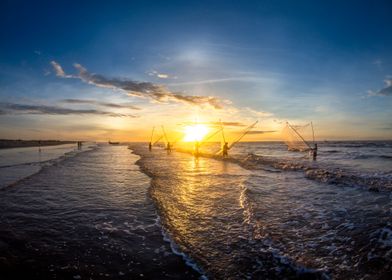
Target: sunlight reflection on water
x=250, y=223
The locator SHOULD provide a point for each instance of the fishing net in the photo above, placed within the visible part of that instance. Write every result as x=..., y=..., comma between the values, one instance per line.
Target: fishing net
x=298, y=137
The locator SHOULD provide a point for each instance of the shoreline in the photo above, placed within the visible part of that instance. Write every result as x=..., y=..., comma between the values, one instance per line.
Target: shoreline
x=9, y=144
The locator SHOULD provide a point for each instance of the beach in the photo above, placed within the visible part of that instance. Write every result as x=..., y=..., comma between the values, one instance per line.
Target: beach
x=119, y=212
x=209, y=140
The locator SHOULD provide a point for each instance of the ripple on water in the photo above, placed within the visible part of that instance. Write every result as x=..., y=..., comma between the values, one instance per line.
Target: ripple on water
x=88, y=216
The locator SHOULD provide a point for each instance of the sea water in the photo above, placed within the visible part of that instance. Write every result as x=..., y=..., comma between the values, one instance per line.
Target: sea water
x=19, y=163
x=88, y=216
x=263, y=213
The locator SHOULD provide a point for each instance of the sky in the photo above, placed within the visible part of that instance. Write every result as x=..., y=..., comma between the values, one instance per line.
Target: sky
x=102, y=70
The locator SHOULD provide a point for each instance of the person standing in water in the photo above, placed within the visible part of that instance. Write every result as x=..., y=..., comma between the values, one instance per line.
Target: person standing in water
x=168, y=147
x=314, y=152
x=196, y=151
x=150, y=146
x=225, y=150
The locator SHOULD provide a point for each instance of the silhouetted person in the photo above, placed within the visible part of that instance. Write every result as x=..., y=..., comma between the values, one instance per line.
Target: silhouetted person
x=197, y=145
x=39, y=146
x=314, y=152
x=150, y=146
x=225, y=150
x=168, y=147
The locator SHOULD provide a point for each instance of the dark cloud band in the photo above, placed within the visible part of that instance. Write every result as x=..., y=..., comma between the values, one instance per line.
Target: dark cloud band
x=103, y=104
x=12, y=108
x=149, y=90
x=261, y=131
x=215, y=124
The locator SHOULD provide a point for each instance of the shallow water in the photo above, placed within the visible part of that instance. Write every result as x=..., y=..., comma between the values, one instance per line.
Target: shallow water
x=364, y=164
x=86, y=217
x=264, y=213
x=18, y=163
x=269, y=220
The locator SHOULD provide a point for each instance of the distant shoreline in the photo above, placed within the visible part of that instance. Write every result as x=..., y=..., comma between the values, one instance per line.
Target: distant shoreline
x=7, y=144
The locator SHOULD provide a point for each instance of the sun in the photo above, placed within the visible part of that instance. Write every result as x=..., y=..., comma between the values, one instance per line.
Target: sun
x=195, y=132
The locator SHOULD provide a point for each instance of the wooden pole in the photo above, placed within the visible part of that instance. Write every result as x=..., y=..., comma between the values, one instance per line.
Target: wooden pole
x=246, y=131
x=299, y=135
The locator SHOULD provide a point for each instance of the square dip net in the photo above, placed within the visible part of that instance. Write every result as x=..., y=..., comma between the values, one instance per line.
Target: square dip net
x=298, y=137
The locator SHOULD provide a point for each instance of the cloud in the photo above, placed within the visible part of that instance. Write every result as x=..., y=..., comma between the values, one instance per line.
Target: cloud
x=12, y=108
x=59, y=70
x=386, y=91
x=229, y=123
x=258, y=114
x=158, y=93
x=155, y=73
x=261, y=131
x=104, y=104
x=162, y=76
x=214, y=81
x=216, y=124
x=279, y=121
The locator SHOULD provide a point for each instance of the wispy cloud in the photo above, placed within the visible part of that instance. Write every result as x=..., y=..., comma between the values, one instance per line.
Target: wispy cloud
x=385, y=91
x=215, y=124
x=387, y=127
x=59, y=70
x=155, y=73
x=261, y=131
x=258, y=114
x=158, y=93
x=162, y=76
x=13, y=108
x=222, y=80
x=104, y=104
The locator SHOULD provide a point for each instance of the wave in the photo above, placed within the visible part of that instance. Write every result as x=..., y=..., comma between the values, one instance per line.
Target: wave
x=27, y=163
x=324, y=174
x=267, y=245
x=30, y=169
x=360, y=144
x=388, y=157
x=332, y=151
x=330, y=225
x=259, y=256
x=311, y=170
x=175, y=248
x=177, y=251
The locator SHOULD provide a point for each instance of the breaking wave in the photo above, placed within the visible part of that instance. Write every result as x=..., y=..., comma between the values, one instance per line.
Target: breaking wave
x=321, y=172
x=12, y=174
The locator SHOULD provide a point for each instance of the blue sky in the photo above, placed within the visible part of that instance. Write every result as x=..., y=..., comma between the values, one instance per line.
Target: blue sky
x=301, y=61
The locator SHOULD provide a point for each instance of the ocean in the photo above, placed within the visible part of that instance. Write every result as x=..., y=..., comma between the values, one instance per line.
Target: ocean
x=119, y=212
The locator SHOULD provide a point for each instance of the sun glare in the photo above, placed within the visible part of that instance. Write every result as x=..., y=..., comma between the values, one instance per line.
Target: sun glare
x=195, y=132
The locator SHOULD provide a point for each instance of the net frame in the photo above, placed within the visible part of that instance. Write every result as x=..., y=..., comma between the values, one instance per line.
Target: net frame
x=295, y=137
